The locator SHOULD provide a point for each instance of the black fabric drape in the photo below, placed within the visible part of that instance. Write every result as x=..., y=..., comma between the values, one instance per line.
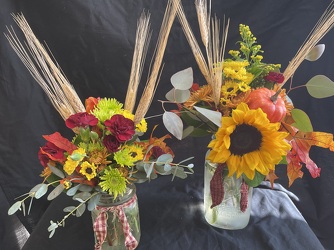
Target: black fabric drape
x=93, y=42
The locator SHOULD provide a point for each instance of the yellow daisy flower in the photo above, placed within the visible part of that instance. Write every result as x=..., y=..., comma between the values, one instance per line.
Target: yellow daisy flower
x=88, y=170
x=70, y=165
x=248, y=142
x=136, y=152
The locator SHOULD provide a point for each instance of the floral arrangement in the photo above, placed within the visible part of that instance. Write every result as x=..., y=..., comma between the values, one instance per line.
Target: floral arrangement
x=106, y=153
x=252, y=121
x=104, y=156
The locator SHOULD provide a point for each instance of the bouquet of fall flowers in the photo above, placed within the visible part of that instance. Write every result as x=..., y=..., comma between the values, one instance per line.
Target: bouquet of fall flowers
x=106, y=153
x=244, y=106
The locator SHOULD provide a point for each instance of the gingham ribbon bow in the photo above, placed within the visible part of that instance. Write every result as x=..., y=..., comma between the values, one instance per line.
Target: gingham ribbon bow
x=100, y=225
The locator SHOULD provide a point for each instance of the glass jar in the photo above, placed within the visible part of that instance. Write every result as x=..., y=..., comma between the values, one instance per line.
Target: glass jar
x=228, y=214
x=116, y=221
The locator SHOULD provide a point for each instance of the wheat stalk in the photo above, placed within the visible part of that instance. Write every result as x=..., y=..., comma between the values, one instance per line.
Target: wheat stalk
x=199, y=57
x=44, y=70
x=154, y=76
x=141, y=45
x=324, y=24
x=213, y=41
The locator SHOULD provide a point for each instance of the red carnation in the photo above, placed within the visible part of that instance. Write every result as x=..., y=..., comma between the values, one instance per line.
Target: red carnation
x=81, y=119
x=111, y=143
x=274, y=77
x=50, y=152
x=122, y=128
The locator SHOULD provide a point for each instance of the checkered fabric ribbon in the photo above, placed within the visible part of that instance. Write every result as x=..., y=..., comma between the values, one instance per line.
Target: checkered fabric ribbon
x=100, y=224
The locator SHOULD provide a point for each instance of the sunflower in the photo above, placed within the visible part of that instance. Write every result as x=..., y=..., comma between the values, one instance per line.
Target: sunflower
x=247, y=142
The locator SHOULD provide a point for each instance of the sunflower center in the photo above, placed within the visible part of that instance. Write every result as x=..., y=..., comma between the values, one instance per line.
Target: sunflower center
x=245, y=139
x=89, y=170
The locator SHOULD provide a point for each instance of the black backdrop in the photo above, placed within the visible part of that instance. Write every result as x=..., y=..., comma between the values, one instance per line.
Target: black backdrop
x=93, y=42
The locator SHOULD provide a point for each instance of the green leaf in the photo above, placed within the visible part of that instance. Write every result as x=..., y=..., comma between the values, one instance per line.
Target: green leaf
x=258, y=178
x=302, y=121
x=320, y=86
x=183, y=79
x=177, y=95
x=283, y=161
x=16, y=206
x=315, y=53
x=173, y=124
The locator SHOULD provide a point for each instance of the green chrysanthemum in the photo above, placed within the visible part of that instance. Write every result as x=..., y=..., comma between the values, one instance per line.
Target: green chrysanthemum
x=113, y=182
x=106, y=108
x=124, y=157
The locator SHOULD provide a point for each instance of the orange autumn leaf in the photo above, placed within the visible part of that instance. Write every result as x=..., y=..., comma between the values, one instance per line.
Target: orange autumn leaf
x=61, y=142
x=159, y=142
x=294, y=172
x=271, y=177
x=302, y=142
x=90, y=103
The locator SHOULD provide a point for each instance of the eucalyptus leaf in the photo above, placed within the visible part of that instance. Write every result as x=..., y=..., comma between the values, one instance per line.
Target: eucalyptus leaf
x=55, y=192
x=52, y=233
x=68, y=209
x=178, y=95
x=164, y=158
x=81, y=197
x=73, y=190
x=214, y=116
x=167, y=167
x=16, y=206
x=148, y=168
x=80, y=210
x=173, y=124
x=320, y=86
x=179, y=172
x=35, y=188
x=183, y=79
x=41, y=191
x=85, y=188
x=302, y=121
x=56, y=171
x=315, y=53
x=93, y=202
x=53, y=226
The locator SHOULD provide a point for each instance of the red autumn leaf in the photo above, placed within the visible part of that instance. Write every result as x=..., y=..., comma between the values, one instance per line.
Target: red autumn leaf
x=61, y=142
x=216, y=186
x=271, y=177
x=294, y=166
x=302, y=142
